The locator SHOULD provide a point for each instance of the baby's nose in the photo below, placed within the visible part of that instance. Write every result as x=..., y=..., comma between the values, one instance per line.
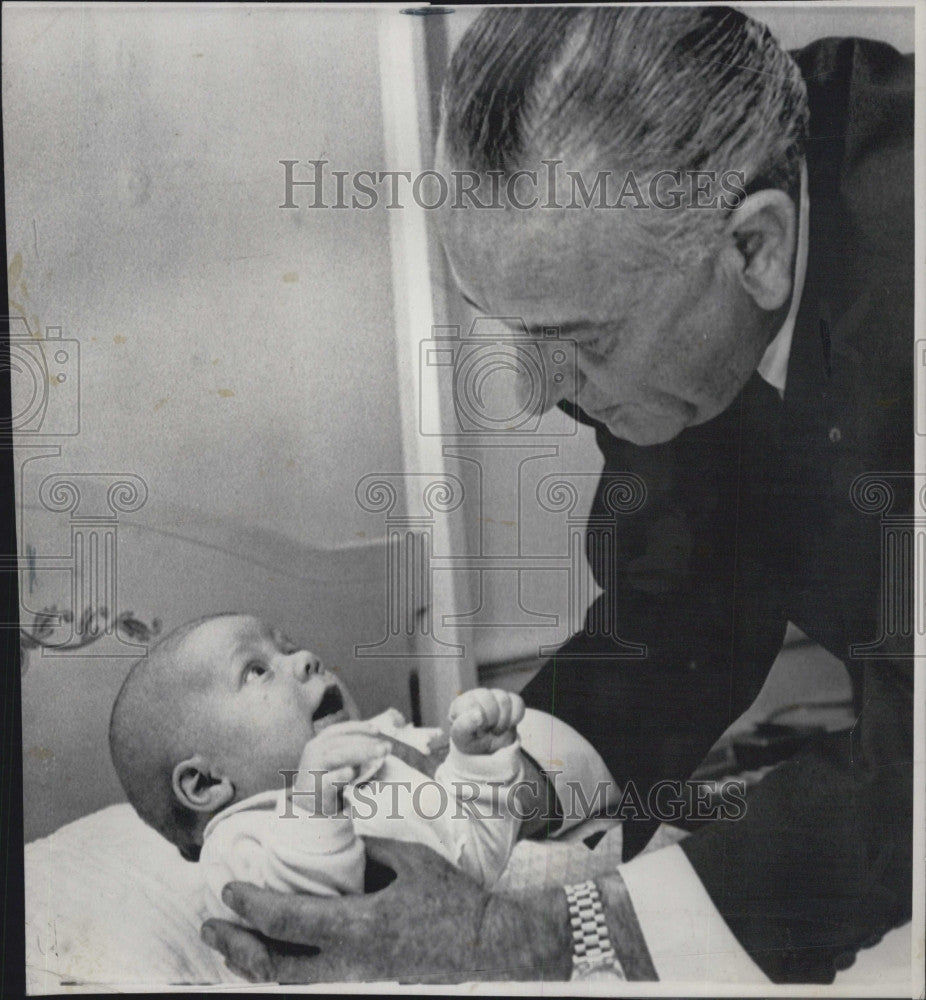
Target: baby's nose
x=306, y=664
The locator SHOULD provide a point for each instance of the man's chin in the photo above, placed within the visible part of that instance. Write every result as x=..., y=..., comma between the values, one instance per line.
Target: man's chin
x=644, y=428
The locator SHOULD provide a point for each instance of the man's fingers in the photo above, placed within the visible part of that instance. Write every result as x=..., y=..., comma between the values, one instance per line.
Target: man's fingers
x=370, y=937
x=291, y=917
x=245, y=954
x=320, y=968
x=243, y=973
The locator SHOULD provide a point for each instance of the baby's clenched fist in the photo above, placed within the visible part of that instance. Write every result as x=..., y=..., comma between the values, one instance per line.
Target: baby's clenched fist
x=484, y=720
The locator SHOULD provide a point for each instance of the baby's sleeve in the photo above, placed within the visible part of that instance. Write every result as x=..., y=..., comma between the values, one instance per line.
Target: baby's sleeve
x=483, y=787
x=287, y=850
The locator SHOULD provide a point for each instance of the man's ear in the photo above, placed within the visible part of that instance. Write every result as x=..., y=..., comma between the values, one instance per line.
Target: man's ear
x=197, y=788
x=762, y=234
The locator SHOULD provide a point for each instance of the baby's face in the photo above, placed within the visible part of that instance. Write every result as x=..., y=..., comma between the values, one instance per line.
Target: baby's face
x=257, y=700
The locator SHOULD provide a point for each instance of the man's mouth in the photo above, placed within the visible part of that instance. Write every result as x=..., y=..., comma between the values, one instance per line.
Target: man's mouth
x=331, y=703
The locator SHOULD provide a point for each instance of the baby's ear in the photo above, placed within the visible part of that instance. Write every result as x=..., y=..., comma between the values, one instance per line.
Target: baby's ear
x=198, y=789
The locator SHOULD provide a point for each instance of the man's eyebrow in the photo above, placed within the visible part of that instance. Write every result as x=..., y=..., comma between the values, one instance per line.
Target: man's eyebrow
x=536, y=331
x=547, y=330
x=569, y=328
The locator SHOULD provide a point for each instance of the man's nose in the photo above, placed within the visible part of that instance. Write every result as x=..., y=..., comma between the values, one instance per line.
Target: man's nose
x=562, y=385
x=305, y=664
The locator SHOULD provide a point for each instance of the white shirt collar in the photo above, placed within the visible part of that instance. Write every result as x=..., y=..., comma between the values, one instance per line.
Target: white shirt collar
x=774, y=364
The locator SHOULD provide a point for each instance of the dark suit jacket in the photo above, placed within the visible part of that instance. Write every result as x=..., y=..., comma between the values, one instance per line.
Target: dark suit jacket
x=759, y=517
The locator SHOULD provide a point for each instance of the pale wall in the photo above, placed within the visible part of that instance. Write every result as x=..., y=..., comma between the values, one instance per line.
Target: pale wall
x=143, y=185
x=238, y=358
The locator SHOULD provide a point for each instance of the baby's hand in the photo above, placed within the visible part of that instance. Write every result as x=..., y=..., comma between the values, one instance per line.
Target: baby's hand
x=483, y=721
x=341, y=752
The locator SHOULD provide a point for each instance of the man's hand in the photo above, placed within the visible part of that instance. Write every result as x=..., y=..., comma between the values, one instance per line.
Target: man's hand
x=483, y=720
x=432, y=923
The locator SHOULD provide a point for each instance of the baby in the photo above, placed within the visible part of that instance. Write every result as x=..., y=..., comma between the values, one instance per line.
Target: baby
x=248, y=755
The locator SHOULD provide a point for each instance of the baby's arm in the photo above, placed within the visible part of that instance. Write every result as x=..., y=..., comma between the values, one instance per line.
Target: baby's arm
x=299, y=853
x=569, y=766
x=480, y=773
x=298, y=840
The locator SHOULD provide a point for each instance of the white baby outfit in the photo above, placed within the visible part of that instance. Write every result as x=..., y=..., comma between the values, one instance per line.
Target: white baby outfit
x=467, y=812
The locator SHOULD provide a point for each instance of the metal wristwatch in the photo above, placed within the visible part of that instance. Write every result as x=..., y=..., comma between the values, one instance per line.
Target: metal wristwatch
x=593, y=955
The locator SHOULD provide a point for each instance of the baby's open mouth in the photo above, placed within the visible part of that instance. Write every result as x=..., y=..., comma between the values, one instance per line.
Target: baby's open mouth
x=331, y=703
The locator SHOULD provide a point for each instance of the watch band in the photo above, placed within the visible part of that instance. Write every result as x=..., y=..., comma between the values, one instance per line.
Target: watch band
x=592, y=951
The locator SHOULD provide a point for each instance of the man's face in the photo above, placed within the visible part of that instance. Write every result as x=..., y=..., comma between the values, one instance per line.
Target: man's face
x=657, y=351
x=256, y=699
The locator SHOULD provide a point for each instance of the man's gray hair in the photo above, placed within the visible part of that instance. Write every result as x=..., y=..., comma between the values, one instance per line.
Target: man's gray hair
x=629, y=88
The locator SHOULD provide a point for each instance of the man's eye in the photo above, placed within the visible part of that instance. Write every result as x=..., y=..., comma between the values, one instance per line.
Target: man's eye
x=594, y=346
x=253, y=672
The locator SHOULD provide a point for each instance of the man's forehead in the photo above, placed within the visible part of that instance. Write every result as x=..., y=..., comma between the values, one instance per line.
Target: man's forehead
x=520, y=257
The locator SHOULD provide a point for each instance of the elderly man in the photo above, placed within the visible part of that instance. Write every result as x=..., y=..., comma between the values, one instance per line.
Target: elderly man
x=749, y=362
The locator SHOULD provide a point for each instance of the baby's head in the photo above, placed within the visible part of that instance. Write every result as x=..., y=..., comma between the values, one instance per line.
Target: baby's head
x=211, y=715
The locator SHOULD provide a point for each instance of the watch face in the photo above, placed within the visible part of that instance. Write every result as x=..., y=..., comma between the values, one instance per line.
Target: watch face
x=604, y=971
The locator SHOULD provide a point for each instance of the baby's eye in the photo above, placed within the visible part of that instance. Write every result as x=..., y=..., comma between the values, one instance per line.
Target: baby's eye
x=253, y=671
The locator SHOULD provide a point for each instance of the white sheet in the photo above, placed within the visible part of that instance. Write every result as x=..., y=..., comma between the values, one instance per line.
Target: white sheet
x=109, y=901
